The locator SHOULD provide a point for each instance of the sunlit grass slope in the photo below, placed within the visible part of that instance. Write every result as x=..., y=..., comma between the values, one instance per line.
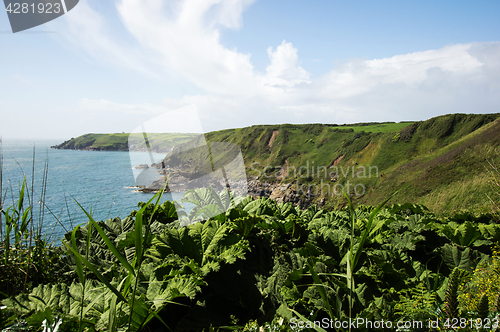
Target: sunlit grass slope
x=441, y=162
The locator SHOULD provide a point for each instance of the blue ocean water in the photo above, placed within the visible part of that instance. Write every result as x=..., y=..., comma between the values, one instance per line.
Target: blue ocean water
x=101, y=181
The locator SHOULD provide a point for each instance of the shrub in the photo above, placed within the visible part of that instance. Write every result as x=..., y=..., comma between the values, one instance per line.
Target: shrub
x=484, y=282
x=395, y=138
x=26, y=260
x=417, y=303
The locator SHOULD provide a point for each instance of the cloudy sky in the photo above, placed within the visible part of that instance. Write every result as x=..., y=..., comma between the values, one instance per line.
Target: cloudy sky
x=108, y=66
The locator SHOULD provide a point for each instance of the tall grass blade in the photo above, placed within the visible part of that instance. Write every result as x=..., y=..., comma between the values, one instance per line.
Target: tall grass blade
x=21, y=196
x=79, y=267
x=320, y=288
x=94, y=270
x=138, y=232
x=32, y=198
x=350, y=281
x=138, y=235
x=349, y=272
x=25, y=221
x=139, y=241
x=41, y=214
x=366, y=232
x=8, y=229
x=139, y=314
x=353, y=257
x=108, y=242
x=113, y=308
x=112, y=314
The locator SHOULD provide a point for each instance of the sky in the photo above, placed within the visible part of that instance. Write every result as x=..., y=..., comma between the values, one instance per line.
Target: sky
x=110, y=66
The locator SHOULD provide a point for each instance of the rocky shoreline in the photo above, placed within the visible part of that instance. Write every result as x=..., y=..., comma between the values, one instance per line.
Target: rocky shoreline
x=181, y=182
x=90, y=148
x=288, y=193
x=122, y=148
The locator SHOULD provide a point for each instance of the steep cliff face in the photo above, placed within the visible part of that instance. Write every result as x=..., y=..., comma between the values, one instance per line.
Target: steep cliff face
x=441, y=162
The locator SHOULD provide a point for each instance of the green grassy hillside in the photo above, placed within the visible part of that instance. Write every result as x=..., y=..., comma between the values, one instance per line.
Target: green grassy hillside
x=441, y=162
x=443, y=165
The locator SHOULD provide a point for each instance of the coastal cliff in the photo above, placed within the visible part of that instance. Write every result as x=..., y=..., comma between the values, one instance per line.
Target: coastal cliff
x=441, y=162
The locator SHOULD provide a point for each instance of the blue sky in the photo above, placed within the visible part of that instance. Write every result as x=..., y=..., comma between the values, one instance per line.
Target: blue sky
x=108, y=66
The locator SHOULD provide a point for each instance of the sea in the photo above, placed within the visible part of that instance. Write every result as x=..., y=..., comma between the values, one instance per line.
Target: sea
x=102, y=182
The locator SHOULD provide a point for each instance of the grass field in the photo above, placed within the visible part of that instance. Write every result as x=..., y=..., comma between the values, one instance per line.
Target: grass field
x=378, y=128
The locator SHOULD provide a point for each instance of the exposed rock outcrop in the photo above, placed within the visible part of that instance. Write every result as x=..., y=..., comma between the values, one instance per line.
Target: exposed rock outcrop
x=290, y=192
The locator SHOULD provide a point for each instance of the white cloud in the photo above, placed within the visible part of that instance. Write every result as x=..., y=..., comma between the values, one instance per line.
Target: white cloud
x=357, y=77
x=88, y=29
x=183, y=37
x=284, y=68
x=186, y=37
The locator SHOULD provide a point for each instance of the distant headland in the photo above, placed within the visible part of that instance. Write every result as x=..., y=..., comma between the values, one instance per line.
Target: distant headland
x=160, y=143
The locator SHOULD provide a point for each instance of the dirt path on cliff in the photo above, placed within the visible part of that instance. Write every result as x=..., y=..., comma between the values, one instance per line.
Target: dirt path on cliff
x=271, y=141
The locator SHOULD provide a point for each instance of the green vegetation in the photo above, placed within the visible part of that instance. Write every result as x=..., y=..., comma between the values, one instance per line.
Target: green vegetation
x=494, y=180
x=122, y=142
x=441, y=162
x=262, y=263
x=377, y=127
x=483, y=285
x=27, y=259
x=255, y=264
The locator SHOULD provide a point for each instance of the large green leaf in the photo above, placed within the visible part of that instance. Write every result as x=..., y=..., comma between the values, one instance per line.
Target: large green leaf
x=261, y=206
x=207, y=243
x=464, y=234
x=61, y=298
x=463, y=258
